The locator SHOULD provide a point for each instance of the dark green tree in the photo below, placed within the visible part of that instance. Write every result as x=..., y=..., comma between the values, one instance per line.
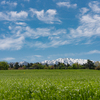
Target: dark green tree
x=16, y=66
x=28, y=65
x=11, y=65
x=46, y=64
x=55, y=66
x=67, y=65
x=89, y=64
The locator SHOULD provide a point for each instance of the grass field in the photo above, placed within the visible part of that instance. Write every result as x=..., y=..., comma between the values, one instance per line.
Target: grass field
x=49, y=85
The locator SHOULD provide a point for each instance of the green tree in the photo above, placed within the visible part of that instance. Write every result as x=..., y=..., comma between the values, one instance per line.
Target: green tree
x=11, y=65
x=40, y=66
x=55, y=66
x=90, y=64
x=97, y=63
x=4, y=65
x=37, y=66
x=16, y=66
x=66, y=67
x=80, y=66
x=28, y=65
x=46, y=64
x=61, y=65
x=75, y=66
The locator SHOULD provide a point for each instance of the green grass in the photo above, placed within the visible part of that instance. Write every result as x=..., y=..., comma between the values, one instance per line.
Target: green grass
x=49, y=85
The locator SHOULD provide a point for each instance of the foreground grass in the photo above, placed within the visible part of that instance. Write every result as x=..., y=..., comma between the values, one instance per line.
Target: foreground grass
x=50, y=85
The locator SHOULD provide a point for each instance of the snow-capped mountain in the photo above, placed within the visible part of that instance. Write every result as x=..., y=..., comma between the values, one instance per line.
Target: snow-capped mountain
x=23, y=63
x=19, y=63
x=65, y=61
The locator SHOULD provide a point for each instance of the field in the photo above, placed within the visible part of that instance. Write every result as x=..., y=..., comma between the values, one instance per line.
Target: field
x=50, y=85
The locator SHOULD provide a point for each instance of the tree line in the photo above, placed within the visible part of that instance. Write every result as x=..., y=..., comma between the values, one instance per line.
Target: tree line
x=88, y=65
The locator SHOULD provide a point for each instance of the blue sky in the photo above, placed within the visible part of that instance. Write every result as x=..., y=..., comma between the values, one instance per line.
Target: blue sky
x=38, y=30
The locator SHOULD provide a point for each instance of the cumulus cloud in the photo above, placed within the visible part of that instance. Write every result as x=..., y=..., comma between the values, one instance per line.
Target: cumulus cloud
x=48, y=17
x=66, y=4
x=13, y=15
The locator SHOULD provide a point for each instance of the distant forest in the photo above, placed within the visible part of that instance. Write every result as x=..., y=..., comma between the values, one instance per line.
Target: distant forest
x=88, y=65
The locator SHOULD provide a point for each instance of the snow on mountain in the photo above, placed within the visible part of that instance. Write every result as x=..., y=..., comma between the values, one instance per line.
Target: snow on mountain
x=65, y=61
x=23, y=63
x=19, y=63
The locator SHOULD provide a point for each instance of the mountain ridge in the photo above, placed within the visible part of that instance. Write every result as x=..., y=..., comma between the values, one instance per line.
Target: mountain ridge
x=65, y=61
x=61, y=60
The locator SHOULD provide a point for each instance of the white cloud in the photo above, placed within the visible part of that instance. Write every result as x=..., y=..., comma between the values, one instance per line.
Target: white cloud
x=66, y=4
x=54, y=37
x=94, y=52
x=22, y=4
x=8, y=59
x=95, y=6
x=47, y=17
x=36, y=33
x=35, y=58
x=13, y=15
x=38, y=56
x=13, y=43
x=52, y=43
x=19, y=33
x=3, y=2
x=73, y=54
x=10, y=27
x=84, y=10
x=89, y=26
x=11, y=4
x=21, y=23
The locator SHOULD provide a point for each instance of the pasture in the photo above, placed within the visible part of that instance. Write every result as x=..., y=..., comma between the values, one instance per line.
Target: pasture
x=50, y=84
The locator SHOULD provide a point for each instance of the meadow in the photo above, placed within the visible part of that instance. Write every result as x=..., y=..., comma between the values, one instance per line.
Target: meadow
x=50, y=84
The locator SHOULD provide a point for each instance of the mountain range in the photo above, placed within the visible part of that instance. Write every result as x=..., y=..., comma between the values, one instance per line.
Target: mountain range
x=65, y=61
x=61, y=60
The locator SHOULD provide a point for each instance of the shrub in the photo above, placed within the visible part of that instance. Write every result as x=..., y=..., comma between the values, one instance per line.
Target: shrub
x=97, y=68
x=24, y=67
x=81, y=67
x=69, y=67
x=20, y=68
x=52, y=67
x=45, y=67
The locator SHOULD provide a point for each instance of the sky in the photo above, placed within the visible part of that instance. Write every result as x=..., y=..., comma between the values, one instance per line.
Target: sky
x=38, y=30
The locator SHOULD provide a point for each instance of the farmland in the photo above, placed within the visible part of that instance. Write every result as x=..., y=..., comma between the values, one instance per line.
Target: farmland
x=81, y=84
